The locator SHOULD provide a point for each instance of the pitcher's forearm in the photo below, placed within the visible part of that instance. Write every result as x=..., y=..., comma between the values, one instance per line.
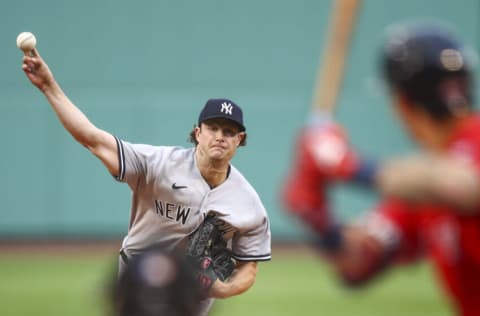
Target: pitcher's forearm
x=241, y=280
x=100, y=143
x=74, y=121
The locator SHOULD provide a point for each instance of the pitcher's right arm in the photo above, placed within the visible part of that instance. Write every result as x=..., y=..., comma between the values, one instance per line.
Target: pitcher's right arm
x=101, y=143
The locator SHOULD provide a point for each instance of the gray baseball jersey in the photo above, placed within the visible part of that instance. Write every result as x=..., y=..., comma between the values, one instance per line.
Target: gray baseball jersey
x=171, y=199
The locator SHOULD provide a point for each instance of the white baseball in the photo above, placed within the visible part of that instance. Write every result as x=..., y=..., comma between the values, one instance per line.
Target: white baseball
x=26, y=41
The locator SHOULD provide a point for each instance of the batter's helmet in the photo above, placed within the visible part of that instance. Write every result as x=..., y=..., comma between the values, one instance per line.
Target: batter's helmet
x=429, y=66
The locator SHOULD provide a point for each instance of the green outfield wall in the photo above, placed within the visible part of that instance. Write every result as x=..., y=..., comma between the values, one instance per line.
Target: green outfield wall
x=143, y=69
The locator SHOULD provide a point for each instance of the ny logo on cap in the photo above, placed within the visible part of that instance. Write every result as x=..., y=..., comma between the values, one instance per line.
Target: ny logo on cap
x=226, y=108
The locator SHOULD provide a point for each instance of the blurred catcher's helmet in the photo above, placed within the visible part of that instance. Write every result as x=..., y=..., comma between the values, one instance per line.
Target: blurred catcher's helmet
x=429, y=66
x=156, y=283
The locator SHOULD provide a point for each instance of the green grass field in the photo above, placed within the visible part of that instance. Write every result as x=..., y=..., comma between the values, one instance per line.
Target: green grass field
x=72, y=284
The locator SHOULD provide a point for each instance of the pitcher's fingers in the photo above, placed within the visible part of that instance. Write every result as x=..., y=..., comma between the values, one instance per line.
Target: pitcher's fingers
x=26, y=58
x=31, y=53
x=26, y=68
x=32, y=62
x=34, y=52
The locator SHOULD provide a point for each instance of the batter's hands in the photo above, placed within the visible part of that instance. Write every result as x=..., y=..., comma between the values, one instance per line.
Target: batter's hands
x=323, y=156
x=329, y=148
x=37, y=70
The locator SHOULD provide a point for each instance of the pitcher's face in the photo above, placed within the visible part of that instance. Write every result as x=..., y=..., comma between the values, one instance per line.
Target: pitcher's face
x=218, y=139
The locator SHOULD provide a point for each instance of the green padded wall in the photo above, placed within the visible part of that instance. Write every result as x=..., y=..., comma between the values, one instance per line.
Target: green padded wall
x=143, y=69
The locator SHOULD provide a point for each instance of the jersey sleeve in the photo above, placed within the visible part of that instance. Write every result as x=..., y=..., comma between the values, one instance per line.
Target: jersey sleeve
x=254, y=244
x=134, y=160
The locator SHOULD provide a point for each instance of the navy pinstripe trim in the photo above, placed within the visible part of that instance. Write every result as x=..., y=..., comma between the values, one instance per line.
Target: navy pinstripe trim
x=253, y=258
x=121, y=160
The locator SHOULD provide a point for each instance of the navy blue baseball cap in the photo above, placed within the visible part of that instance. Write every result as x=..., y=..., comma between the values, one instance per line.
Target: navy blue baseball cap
x=422, y=52
x=222, y=108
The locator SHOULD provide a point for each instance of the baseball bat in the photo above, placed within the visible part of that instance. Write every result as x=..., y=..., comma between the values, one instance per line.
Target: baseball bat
x=331, y=68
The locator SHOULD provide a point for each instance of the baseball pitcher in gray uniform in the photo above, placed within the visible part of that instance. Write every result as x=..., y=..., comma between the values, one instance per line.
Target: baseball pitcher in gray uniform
x=174, y=188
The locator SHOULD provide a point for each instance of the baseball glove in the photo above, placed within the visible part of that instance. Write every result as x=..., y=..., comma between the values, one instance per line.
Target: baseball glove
x=208, y=253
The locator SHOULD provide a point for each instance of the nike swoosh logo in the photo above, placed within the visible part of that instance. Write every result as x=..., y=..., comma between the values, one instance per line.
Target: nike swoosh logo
x=176, y=187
